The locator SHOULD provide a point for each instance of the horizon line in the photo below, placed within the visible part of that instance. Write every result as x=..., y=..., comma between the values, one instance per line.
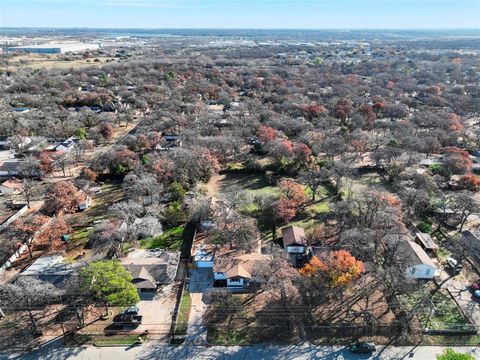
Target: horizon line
x=236, y=28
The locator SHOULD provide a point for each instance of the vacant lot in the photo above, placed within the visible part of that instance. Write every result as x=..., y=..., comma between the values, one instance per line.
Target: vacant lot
x=45, y=61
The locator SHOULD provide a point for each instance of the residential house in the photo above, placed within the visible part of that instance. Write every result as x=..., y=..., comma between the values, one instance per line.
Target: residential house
x=85, y=202
x=476, y=156
x=10, y=168
x=5, y=143
x=67, y=145
x=419, y=264
x=52, y=269
x=11, y=187
x=239, y=272
x=294, y=240
x=169, y=142
x=150, y=273
x=295, y=244
x=430, y=160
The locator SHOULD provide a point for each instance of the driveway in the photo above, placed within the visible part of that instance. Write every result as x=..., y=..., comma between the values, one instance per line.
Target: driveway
x=200, y=280
x=157, y=313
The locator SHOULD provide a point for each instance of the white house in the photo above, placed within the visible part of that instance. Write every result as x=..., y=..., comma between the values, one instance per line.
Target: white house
x=294, y=240
x=295, y=244
x=419, y=264
x=239, y=271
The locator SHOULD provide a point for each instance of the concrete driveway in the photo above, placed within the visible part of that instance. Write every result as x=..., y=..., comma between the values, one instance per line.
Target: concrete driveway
x=200, y=280
x=157, y=313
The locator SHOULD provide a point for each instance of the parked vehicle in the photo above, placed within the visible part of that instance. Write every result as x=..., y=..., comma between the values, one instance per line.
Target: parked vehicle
x=476, y=293
x=454, y=265
x=361, y=347
x=475, y=286
x=132, y=310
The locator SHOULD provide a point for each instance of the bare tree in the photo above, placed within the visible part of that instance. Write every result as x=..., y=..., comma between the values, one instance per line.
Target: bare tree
x=30, y=295
x=30, y=188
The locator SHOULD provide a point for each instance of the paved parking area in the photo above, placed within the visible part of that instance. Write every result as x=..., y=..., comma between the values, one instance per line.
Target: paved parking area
x=157, y=313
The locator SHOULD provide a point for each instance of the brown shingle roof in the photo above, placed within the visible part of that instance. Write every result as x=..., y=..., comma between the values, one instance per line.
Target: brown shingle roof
x=293, y=235
x=243, y=265
x=13, y=184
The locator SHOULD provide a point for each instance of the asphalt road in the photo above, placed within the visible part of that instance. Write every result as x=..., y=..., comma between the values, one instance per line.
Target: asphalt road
x=54, y=351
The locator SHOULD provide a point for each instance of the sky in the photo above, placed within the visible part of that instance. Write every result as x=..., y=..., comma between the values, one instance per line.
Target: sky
x=270, y=14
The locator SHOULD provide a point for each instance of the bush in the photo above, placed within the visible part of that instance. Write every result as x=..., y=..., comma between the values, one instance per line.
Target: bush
x=253, y=165
x=437, y=169
x=425, y=227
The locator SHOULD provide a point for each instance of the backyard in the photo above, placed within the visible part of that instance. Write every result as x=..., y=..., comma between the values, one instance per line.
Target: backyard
x=255, y=185
x=171, y=239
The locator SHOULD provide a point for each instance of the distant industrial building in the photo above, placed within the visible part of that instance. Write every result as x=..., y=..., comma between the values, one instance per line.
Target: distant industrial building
x=59, y=48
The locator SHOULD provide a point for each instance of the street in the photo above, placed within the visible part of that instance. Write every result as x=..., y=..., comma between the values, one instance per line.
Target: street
x=155, y=350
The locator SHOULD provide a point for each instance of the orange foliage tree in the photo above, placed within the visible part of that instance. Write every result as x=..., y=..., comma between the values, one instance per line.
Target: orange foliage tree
x=266, y=134
x=46, y=163
x=340, y=266
x=292, y=191
x=63, y=197
x=27, y=227
x=53, y=232
x=284, y=209
x=470, y=182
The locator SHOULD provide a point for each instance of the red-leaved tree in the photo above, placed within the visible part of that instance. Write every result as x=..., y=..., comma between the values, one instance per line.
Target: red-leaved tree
x=63, y=197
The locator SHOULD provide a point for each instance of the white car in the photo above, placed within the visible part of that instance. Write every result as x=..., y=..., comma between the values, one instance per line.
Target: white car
x=454, y=265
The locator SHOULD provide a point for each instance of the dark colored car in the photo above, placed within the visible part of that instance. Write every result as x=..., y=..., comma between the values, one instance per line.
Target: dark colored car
x=361, y=347
x=132, y=310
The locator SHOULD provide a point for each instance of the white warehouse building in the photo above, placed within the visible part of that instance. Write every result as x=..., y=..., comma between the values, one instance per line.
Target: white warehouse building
x=58, y=48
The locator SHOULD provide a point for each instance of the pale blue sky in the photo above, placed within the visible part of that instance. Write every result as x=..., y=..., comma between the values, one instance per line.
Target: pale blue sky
x=304, y=14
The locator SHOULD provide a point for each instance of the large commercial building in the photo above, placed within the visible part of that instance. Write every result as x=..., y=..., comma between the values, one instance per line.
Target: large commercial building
x=59, y=48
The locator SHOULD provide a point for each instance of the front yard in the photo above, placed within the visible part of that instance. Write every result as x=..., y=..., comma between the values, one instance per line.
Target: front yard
x=440, y=312
x=183, y=314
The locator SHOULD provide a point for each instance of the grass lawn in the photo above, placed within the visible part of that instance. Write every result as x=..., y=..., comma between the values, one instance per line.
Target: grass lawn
x=183, y=314
x=111, y=193
x=443, y=254
x=452, y=340
x=318, y=208
x=81, y=235
x=171, y=239
x=441, y=313
x=127, y=341
x=322, y=191
x=232, y=337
